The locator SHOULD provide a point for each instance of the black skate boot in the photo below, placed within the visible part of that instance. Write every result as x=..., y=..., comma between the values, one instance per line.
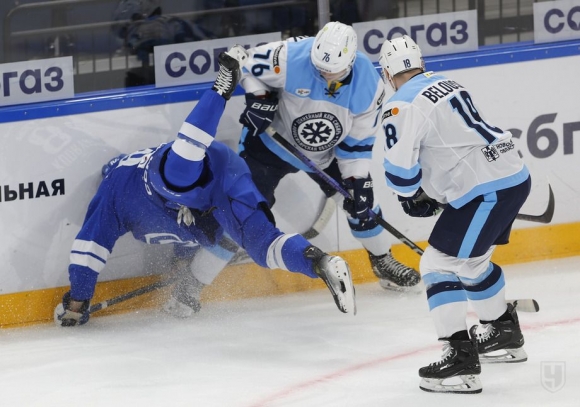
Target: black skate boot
x=229, y=73
x=335, y=273
x=459, y=361
x=392, y=274
x=500, y=341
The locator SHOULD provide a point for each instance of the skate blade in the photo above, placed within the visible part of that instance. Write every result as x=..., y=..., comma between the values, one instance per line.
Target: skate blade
x=390, y=286
x=462, y=384
x=504, y=356
x=339, y=281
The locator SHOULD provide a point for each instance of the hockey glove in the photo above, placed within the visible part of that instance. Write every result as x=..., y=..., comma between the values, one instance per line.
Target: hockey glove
x=259, y=113
x=111, y=165
x=361, y=190
x=64, y=316
x=419, y=205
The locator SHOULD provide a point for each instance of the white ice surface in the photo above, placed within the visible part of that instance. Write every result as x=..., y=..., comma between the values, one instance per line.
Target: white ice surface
x=294, y=350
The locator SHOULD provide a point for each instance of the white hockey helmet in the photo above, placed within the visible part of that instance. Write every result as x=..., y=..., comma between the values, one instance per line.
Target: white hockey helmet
x=400, y=54
x=334, y=48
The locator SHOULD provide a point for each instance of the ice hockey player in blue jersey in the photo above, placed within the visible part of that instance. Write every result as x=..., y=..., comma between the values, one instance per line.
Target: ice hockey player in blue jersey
x=441, y=149
x=324, y=97
x=192, y=191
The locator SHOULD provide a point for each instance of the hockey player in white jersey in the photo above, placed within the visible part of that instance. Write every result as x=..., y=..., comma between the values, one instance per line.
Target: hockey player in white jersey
x=189, y=192
x=440, y=149
x=324, y=97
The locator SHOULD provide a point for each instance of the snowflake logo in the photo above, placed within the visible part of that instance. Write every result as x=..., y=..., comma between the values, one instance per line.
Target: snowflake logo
x=317, y=131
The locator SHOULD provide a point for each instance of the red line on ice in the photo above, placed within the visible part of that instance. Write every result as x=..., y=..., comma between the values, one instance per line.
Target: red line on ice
x=370, y=364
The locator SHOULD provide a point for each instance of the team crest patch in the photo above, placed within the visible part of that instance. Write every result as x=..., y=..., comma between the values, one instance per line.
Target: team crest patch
x=302, y=92
x=490, y=153
x=317, y=131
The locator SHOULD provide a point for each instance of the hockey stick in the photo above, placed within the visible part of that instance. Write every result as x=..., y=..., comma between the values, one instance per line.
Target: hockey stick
x=334, y=184
x=322, y=220
x=524, y=305
x=545, y=217
x=132, y=294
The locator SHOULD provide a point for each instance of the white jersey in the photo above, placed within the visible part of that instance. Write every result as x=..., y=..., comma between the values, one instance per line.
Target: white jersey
x=323, y=123
x=438, y=140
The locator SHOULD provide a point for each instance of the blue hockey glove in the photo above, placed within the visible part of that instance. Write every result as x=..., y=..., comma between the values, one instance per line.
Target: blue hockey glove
x=111, y=165
x=259, y=113
x=419, y=205
x=64, y=316
x=361, y=190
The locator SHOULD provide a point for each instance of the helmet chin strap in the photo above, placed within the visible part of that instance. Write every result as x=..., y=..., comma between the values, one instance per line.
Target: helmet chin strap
x=391, y=81
x=335, y=79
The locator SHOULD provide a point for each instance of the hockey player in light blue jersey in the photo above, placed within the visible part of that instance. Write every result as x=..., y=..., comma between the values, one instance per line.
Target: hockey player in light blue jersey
x=190, y=192
x=441, y=149
x=323, y=97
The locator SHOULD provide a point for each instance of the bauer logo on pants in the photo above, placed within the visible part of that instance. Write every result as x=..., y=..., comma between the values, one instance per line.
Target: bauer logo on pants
x=553, y=375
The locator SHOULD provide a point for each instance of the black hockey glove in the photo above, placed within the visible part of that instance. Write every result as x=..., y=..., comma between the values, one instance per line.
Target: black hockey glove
x=419, y=205
x=361, y=190
x=259, y=113
x=64, y=316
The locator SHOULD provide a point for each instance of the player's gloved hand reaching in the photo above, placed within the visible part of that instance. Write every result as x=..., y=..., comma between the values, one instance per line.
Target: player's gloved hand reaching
x=419, y=205
x=259, y=112
x=71, y=312
x=361, y=190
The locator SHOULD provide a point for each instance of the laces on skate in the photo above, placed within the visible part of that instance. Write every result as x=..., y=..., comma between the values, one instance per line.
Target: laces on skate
x=500, y=341
x=229, y=74
x=394, y=275
x=457, y=371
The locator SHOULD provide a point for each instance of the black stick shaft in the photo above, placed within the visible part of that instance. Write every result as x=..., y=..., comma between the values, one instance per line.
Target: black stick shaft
x=132, y=294
x=333, y=183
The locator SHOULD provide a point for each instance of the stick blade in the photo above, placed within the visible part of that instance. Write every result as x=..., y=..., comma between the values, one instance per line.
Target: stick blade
x=322, y=221
x=548, y=214
x=525, y=305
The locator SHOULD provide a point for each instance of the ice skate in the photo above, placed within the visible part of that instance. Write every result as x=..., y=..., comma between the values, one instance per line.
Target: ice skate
x=185, y=297
x=334, y=271
x=394, y=275
x=457, y=371
x=500, y=341
x=229, y=74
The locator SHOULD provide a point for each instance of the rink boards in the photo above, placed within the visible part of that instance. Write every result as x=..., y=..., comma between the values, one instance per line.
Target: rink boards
x=52, y=154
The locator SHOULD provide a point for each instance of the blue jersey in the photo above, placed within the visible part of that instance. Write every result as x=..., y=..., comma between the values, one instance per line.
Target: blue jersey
x=226, y=201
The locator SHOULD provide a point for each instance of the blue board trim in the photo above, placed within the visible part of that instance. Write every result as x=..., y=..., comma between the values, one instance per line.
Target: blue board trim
x=150, y=96
x=503, y=54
